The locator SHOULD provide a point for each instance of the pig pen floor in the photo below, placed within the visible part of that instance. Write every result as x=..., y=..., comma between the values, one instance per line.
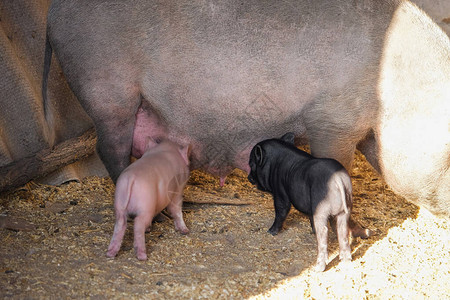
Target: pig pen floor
x=54, y=239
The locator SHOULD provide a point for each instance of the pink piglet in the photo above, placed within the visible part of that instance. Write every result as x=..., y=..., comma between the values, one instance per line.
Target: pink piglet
x=145, y=188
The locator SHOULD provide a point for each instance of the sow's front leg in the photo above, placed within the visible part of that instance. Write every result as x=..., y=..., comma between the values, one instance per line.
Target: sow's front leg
x=114, y=147
x=114, y=122
x=111, y=99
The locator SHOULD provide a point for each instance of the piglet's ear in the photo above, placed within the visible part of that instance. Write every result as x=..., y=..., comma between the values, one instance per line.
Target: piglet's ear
x=185, y=152
x=259, y=154
x=288, y=138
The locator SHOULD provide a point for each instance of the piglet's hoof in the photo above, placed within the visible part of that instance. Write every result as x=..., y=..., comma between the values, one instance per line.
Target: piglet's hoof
x=320, y=267
x=183, y=231
x=273, y=231
x=110, y=254
x=113, y=249
x=345, y=256
x=141, y=256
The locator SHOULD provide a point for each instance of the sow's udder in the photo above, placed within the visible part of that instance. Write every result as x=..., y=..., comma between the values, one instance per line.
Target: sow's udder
x=147, y=126
x=216, y=153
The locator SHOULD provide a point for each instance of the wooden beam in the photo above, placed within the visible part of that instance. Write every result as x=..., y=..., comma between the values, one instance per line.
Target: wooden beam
x=46, y=161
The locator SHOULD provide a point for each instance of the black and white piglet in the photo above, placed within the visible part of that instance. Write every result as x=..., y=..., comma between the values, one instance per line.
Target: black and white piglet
x=318, y=187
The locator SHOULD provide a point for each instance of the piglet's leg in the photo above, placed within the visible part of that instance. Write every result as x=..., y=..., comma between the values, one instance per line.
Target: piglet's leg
x=174, y=209
x=282, y=208
x=320, y=224
x=119, y=232
x=342, y=233
x=141, y=223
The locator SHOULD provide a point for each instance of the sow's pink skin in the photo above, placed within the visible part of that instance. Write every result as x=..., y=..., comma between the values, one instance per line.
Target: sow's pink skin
x=145, y=188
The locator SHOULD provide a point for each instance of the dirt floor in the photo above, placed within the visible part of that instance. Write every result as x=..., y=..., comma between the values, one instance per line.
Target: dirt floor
x=54, y=240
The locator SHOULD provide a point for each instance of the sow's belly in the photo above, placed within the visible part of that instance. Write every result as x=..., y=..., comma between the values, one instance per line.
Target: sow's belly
x=219, y=140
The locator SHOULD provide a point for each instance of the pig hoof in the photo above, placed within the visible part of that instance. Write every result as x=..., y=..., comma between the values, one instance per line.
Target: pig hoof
x=362, y=233
x=345, y=257
x=273, y=231
x=141, y=256
x=184, y=231
x=111, y=254
x=320, y=267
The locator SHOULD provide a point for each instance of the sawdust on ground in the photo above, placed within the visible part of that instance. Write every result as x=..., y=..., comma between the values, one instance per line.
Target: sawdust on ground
x=54, y=240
